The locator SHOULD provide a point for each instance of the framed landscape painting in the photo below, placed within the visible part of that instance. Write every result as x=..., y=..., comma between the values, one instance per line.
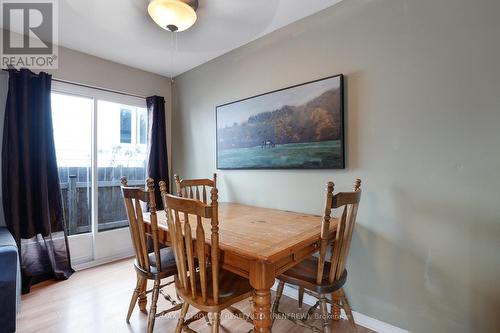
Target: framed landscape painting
x=299, y=127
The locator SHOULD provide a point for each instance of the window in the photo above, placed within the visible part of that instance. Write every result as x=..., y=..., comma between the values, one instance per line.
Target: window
x=72, y=121
x=125, y=126
x=143, y=135
x=117, y=157
x=99, y=137
x=102, y=136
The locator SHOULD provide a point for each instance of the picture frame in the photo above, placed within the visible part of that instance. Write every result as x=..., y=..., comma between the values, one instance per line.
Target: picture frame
x=296, y=127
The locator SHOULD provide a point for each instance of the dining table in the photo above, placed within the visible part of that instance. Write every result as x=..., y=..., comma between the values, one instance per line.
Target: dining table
x=258, y=244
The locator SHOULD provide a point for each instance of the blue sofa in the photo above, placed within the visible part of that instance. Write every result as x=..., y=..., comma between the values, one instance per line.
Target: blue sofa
x=9, y=281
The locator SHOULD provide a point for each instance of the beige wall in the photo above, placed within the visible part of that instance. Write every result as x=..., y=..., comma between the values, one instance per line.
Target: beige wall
x=423, y=117
x=79, y=67
x=83, y=68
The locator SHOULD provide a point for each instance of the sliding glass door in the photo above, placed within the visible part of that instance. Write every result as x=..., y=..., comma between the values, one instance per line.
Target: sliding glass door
x=99, y=137
x=121, y=151
x=72, y=121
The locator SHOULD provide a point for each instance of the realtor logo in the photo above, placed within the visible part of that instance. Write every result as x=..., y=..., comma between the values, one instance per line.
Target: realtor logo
x=29, y=37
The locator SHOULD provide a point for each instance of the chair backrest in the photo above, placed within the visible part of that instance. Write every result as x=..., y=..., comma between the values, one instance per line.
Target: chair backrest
x=195, y=188
x=182, y=214
x=349, y=201
x=133, y=197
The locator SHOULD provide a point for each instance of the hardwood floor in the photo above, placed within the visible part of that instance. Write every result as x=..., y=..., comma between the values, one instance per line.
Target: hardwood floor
x=96, y=300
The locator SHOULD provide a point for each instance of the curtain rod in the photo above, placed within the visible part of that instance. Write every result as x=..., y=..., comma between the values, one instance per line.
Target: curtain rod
x=99, y=88
x=94, y=87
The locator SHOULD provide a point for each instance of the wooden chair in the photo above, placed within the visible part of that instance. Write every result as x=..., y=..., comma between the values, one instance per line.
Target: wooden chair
x=201, y=283
x=194, y=188
x=318, y=277
x=159, y=264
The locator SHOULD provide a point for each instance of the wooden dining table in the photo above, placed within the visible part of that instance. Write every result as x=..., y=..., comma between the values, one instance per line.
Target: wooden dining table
x=259, y=244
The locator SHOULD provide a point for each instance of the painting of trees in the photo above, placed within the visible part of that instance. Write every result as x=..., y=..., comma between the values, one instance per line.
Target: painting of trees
x=316, y=120
x=310, y=127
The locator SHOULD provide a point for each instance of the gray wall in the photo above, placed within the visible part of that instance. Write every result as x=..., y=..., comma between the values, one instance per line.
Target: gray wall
x=423, y=116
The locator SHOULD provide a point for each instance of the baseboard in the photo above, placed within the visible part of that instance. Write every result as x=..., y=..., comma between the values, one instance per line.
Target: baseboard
x=102, y=261
x=361, y=319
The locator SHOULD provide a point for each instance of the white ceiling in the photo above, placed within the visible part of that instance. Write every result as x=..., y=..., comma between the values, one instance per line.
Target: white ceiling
x=122, y=31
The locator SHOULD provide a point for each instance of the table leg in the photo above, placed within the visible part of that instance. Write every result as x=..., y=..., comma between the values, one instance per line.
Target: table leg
x=262, y=279
x=262, y=311
x=143, y=300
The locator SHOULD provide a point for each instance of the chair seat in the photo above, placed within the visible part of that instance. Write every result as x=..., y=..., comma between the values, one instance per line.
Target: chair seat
x=232, y=289
x=304, y=275
x=167, y=258
x=168, y=266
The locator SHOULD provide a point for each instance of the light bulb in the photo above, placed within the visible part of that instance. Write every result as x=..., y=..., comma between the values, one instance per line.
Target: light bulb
x=172, y=15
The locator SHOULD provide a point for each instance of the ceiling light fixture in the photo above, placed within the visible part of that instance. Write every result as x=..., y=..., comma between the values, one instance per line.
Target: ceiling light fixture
x=173, y=15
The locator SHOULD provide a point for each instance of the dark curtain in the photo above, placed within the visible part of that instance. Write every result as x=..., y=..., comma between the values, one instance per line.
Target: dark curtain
x=157, y=144
x=31, y=192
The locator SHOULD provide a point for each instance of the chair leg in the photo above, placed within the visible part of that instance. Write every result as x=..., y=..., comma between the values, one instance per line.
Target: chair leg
x=135, y=296
x=348, y=312
x=276, y=303
x=143, y=300
x=207, y=320
x=152, y=311
x=215, y=322
x=184, y=310
x=336, y=299
x=325, y=316
x=301, y=297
